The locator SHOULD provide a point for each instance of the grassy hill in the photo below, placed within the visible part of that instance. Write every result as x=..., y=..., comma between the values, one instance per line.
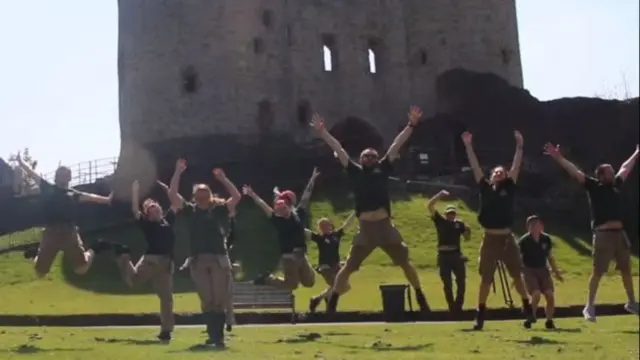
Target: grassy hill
x=102, y=289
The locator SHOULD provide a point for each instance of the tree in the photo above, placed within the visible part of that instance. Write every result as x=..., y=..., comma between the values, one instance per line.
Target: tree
x=23, y=184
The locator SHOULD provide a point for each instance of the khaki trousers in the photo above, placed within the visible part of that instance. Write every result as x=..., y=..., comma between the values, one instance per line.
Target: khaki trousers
x=213, y=279
x=158, y=269
x=297, y=271
x=58, y=238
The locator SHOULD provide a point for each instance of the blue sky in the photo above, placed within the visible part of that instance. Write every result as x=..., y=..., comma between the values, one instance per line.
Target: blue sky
x=59, y=75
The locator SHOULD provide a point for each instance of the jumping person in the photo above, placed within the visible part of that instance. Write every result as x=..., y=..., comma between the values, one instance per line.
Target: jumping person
x=535, y=248
x=328, y=240
x=369, y=181
x=450, y=257
x=60, y=230
x=157, y=262
x=610, y=241
x=209, y=263
x=289, y=223
x=496, y=217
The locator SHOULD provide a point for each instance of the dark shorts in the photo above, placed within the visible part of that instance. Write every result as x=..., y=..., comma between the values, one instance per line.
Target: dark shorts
x=611, y=245
x=499, y=247
x=377, y=234
x=537, y=280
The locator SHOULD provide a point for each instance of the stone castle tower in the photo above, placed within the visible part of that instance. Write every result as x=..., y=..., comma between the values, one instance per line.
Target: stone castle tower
x=249, y=69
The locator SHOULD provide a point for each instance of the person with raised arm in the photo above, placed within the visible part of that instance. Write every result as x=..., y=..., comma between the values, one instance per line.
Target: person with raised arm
x=289, y=223
x=535, y=248
x=450, y=257
x=208, y=263
x=610, y=240
x=496, y=216
x=306, y=194
x=369, y=182
x=328, y=240
x=157, y=262
x=60, y=233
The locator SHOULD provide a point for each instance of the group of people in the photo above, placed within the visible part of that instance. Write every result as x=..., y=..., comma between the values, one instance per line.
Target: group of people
x=211, y=229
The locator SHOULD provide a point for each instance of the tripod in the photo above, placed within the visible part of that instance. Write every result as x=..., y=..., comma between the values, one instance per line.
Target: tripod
x=504, y=284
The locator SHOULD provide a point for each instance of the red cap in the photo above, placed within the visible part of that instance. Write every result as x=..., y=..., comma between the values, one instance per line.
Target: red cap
x=288, y=196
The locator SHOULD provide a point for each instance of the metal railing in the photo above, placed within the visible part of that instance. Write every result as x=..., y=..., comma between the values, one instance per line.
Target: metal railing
x=89, y=172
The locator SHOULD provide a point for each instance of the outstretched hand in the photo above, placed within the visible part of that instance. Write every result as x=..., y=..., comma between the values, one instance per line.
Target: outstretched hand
x=219, y=173
x=315, y=173
x=414, y=115
x=552, y=150
x=162, y=185
x=247, y=190
x=181, y=165
x=317, y=122
x=466, y=137
x=519, y=138
x=135, y=187
x=444, y=193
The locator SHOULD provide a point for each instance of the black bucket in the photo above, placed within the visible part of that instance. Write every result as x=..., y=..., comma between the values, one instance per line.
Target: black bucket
x=393, y=301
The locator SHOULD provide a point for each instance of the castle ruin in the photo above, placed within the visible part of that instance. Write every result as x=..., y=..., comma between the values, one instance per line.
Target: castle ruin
x=246, y=70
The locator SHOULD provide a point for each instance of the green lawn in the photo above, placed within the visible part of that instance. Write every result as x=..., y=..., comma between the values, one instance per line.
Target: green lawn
x=612, y=338
x=103, y=291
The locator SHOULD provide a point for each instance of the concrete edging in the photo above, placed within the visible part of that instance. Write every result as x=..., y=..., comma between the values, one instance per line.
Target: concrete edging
x=245, y=318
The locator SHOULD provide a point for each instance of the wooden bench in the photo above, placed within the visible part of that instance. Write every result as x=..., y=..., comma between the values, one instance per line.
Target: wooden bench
x=246, y=295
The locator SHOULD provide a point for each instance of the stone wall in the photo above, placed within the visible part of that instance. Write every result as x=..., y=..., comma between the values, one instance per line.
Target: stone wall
x=241, y=71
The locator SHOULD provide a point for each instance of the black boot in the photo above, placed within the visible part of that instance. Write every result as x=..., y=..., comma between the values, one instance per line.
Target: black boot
x=478, y=322
x=164, y=335
x=208, y=321
x=332, y=303
x=313, y=303
x=218, y=329
x=422, y=301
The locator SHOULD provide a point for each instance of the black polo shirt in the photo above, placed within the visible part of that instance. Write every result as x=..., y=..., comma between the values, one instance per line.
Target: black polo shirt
x=535, y=254
x=496, y=204
x=291, y=230
x=449, y=232
x=370, y=185
x=328, y=247
x=59, y=204
x=159, y=235
x=605, y=200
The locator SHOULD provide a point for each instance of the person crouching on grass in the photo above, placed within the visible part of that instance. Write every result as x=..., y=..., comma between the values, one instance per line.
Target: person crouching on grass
x=535, y=248
x=328, y=240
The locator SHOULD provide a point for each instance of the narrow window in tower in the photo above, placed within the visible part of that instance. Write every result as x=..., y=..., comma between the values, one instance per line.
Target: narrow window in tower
x=372, y=61
x=373, y=52
x=328, y=59
x=505, y=54
x=423, y=57
x=267, y=18
x=329, y=54
x=189, y=80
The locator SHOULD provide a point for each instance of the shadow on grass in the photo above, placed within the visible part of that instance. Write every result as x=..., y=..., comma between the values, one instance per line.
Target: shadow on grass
x=256, y=248
x=629, y=332
x=537, y=340
x=144, y=342
x=565, y=330
x=28, y=349
x=380, y=346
